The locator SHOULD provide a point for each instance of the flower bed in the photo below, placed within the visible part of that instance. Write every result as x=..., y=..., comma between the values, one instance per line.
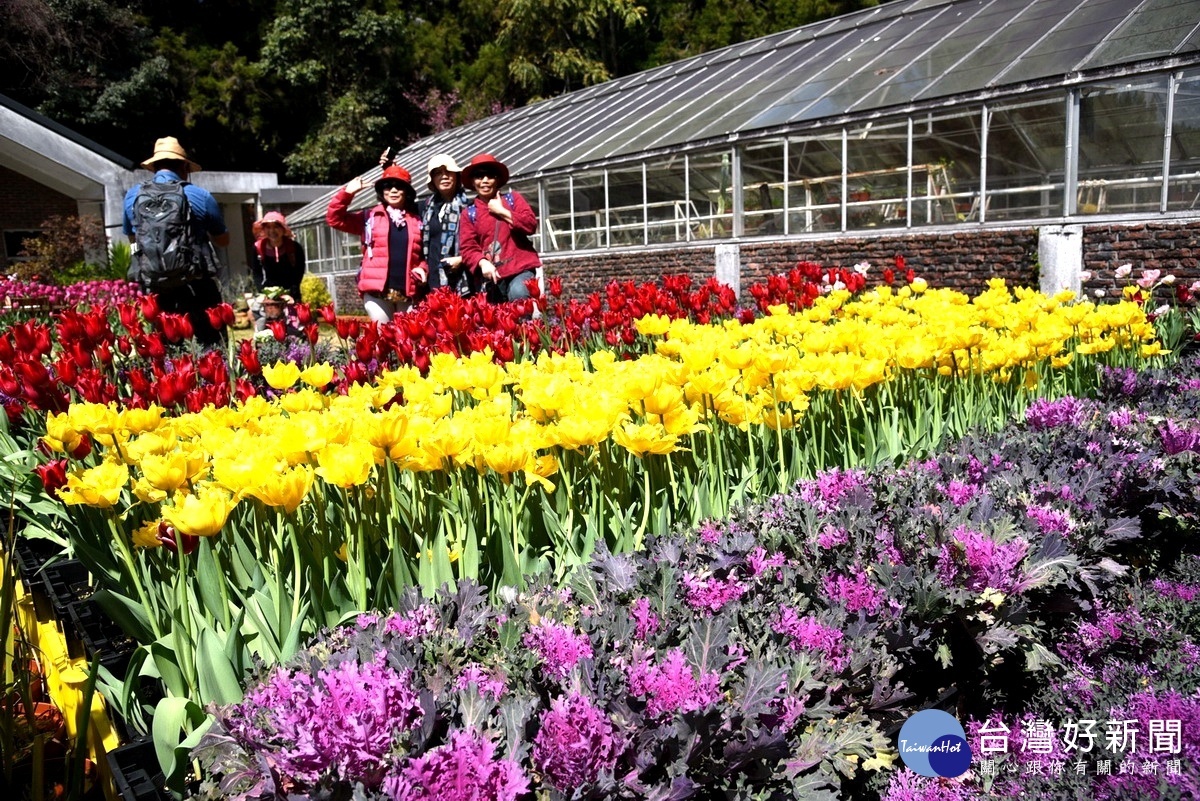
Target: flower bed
x=777, y=652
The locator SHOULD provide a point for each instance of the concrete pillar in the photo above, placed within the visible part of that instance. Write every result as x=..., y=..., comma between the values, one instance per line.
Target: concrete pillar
x=729, y=266
x=1060, y=257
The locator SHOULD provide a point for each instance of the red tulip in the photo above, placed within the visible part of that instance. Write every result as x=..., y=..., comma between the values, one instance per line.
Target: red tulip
x=329, y=315
x=53, y=475
x=173, y=541
x=278, y=329
x=248, y=356
x=304, y=314
x=150, y=309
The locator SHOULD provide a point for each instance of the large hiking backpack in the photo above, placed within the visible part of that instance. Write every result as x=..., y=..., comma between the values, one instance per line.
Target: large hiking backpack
x=168, y=254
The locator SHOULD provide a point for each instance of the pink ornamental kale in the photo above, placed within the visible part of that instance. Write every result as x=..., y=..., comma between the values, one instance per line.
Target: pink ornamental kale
x=1045, y=414
x=671, y=687
x=988, y=563
x=710, y=595
x=646, y=623
x=809, y=634
x=857, y=593
x=558, y=647
x=488, y=683
x=465, y=769
x=575, y=743
x=347, y=717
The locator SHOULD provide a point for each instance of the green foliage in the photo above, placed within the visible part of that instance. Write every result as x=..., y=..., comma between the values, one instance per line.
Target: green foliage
x=59, y=252
x=315, y=292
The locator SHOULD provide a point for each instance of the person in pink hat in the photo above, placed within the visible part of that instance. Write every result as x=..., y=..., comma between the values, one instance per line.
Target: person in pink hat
x=494, y=231
x=392, y=272
x=278, y=257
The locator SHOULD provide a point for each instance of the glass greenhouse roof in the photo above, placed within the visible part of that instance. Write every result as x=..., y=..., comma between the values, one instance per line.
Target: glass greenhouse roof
x=899, y=55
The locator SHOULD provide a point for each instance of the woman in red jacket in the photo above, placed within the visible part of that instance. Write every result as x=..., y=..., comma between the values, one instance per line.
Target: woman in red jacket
x=494, y=231
x=392, y=270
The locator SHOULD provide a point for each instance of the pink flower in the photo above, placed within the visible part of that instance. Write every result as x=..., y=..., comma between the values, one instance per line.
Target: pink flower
x=672, y=687
x=558, y=647
x=575, y=743
x=465, y=769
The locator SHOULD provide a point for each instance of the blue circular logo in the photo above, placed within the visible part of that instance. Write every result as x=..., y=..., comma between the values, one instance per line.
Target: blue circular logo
x=933, y=743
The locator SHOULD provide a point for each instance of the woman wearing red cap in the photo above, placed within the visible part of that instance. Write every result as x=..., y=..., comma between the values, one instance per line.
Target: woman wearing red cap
x=493, y=232
x=392, y=270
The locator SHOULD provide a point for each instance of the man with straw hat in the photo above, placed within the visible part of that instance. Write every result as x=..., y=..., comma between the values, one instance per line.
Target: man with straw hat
x=182, y=268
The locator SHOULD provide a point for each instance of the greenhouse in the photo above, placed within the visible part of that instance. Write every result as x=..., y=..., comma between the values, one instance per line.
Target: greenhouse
x=915, y=114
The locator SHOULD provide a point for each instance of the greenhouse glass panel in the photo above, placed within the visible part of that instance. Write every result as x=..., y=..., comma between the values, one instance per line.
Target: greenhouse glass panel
x=1026, y=158
x=559, y=218
x=877, y=175
x=529, y=190
x=815, y=183
x=667, y=211
x=947, y=149
x=1184, y=190
x=1029, y=22
x=710, y=197
x=626, y=207
x=1153, y=32
x=1121, y=129
x=590, y=220
x=763, y=188
x=1069, y=40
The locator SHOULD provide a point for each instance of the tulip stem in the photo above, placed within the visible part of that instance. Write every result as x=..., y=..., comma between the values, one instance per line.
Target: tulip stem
x=135, y=575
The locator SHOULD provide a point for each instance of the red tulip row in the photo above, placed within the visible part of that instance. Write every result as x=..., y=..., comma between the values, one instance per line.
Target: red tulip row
x=135, y=354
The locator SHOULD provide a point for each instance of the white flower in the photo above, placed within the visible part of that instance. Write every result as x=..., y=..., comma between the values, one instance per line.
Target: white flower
x=1098, y=293
x=1124, y=270
x=1169, y=279
x=862, y=268
x=1085, y=276
x=1161, y=310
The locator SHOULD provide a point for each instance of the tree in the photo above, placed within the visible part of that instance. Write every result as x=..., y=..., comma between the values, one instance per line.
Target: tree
x=554, y=46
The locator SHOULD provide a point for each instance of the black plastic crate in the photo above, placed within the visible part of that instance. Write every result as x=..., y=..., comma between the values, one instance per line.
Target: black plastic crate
x=30, y=556
x=66, y=582
x=101, y=636
x=136, y=772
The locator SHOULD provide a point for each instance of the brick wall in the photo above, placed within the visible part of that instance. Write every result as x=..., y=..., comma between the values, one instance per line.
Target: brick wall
x=963, y=259
x=25, y=204
x=1172, y=248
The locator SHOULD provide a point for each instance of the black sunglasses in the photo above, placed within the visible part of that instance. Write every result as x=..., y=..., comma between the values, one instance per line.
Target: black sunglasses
x=389, y=185
x=485, y=172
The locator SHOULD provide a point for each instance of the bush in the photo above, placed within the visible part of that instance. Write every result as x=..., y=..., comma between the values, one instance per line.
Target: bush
x=59, y=253
x=314, y=292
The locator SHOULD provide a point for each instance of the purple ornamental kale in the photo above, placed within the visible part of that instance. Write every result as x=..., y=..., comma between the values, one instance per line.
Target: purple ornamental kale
x=646, y=623
x=830, y=487
x=710, y=595
x=809, y=634
x=1044, y=414
x=575, y=742
x=347, y=717
x=988, y=563
x=465, y=769
x=489, y=684
x=857, y=593
x=672, y=686
x=558, y=647
x=1177, y=439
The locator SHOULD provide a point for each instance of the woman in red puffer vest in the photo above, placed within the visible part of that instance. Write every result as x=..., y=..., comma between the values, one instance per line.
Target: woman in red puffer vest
x=392, y=271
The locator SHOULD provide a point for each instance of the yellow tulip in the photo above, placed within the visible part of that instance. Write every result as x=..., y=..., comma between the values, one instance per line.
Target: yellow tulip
x=146, y=492
x=346, y=465
x=318, y=375
x=98, y=486
x=287, y=489
x=138, y=421
x=146, y=535
x=653, y=325
x=281, y=375
x=644, y=439
x=94, y=418
x=167, y=472
x=202, y=513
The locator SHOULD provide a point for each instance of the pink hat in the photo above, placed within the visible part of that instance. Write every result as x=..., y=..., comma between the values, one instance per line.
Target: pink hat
x=271, y=217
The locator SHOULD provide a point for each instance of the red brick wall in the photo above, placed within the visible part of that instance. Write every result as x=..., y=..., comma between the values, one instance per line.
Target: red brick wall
x=963, y=259
x=25, y=204
x=1172, y=248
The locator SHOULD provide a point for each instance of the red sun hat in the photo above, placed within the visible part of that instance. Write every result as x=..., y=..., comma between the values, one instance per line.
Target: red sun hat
x=400, y=174
x=271, y=217
x=485, y=160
